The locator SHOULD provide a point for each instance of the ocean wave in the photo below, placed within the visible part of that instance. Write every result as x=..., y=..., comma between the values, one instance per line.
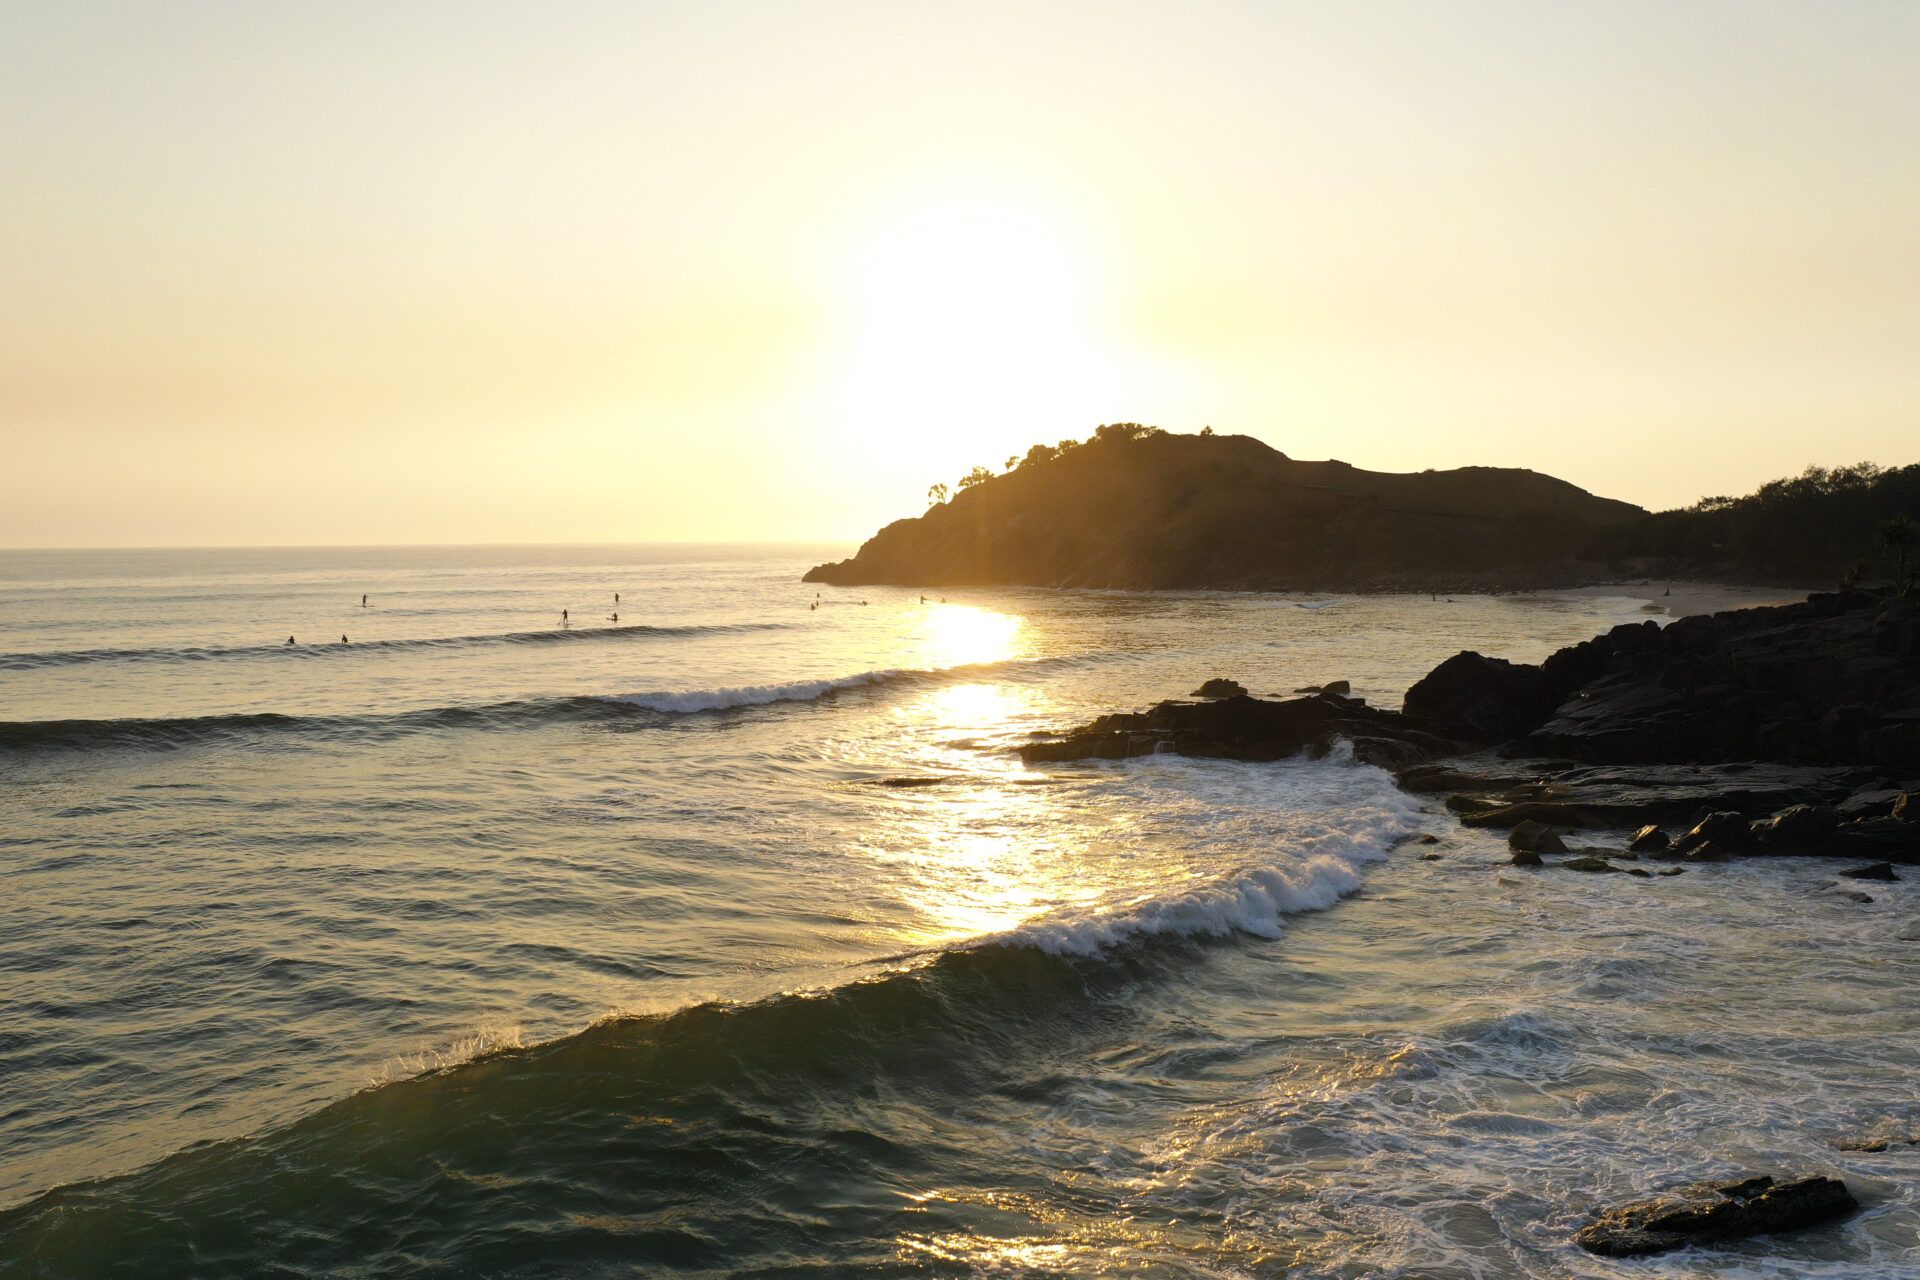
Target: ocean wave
x=79, y=657
x=175, y=731
x=696, y=700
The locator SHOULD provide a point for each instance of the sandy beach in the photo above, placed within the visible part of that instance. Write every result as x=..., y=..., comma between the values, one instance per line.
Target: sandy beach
x=1684, y=598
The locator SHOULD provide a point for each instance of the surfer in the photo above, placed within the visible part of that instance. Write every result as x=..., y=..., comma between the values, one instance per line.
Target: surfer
x=614, y=618
x=289, y=639
x=343, y=639
x=616, y=597
x=363, y=602
x=563, y=615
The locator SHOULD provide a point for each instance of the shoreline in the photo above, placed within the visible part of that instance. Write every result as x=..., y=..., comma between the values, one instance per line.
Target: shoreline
x=1688, y=597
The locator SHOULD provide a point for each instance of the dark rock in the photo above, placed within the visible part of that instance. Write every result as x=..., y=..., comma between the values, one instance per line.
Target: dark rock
x=1800, y=824
x=1643, y=874
x=1588, y=864
x=1482, y=699
x=1672, y=871
x=1863, y=899
x=1446, y=777
x=1877, y=802
x=1544, y=813
x=1872, y=871
x=1219, y=687
x=1805, y=683
x=1874, y=839
x=1341, y=687
x=1727, y=830
x=1649, y=839
x=1709, y=852
x=1535, y=838
x=1243, y=728
x=1429, y=857
x=1714, y=1212
x=1525, y=858
x=1427, y=837
x=1907, y=807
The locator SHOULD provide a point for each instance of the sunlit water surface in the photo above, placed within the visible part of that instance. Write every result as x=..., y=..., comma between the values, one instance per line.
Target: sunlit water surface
x=731, y=937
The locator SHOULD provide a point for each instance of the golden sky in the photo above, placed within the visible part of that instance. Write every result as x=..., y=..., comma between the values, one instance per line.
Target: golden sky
x=472, y=272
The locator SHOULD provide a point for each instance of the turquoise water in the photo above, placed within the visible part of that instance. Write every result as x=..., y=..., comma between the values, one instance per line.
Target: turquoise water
x=731, y=937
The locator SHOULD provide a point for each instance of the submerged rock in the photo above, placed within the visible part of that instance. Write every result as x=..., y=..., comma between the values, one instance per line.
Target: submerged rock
x=1872, y=871
x=1715, y=1212
x=1587, y=862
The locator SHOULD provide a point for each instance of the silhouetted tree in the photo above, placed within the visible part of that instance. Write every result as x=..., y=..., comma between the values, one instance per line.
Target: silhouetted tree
x=937, y=495
x=1899, y=537
x=979, y=475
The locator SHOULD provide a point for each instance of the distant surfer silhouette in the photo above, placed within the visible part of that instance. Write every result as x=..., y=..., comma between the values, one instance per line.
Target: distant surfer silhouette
x=563, y=615
x=614, y=618
x=343, y=639
x=289, y=639
x=616, y=597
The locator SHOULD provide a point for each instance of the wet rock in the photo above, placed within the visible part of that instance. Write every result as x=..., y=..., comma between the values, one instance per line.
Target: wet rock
x=1872, y=871
x=1643, y=874
x=1862, y=898
x=1907, y=807
x=1243, y=728
x=1535, y=838
x=1445, y=777
x=1588, y=863
x=1525, y=858
x=1728, y=831
x=1219, y=687
x=1909, y=932
x=1672, y=871
x=1715, y=1212
x=1876, y=1142
x=1429, y=857
x=1427, y=837
x=1649, y=839
x=1341, y=687
x=1544, y=813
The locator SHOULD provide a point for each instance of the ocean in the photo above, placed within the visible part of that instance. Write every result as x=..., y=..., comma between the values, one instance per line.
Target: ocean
x=719, y=931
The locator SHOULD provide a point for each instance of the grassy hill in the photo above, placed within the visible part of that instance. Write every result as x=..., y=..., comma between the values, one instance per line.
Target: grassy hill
x=1135, y=507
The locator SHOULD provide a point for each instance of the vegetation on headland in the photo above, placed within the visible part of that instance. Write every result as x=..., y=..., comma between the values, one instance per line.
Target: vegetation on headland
x=1821, y=526
x=1135, y=506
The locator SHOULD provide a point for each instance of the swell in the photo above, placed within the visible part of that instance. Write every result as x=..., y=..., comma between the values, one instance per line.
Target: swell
x=672, y=1139
x=634, y=709
x=308, y=652
x=698, y=1133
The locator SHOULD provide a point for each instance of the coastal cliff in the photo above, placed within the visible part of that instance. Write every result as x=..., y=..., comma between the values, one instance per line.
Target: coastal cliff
x=1145, y=509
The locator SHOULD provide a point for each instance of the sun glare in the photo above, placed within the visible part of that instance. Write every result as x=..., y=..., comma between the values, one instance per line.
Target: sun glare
x=960, y=635
x=971, y=320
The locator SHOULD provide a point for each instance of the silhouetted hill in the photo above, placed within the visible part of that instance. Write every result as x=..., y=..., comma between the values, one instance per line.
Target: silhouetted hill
x=1138, y=508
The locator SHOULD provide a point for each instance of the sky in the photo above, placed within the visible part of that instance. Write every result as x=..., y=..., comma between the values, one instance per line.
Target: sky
x=596, y=272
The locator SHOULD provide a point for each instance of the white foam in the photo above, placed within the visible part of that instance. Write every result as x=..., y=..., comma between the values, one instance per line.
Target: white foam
x=1309, y=867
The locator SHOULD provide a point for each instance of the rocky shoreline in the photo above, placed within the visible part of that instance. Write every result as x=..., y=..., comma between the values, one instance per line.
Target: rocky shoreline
x=1789, y=730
